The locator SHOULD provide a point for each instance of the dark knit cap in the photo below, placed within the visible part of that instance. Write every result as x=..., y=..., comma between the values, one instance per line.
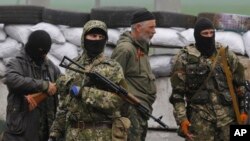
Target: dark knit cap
x=39, y=39
x=202, y=24
x=142, y=15
x=97, y=31
x=39, y=44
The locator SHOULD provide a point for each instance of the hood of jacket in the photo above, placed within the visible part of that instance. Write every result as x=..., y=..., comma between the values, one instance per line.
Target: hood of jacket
x=127, y=37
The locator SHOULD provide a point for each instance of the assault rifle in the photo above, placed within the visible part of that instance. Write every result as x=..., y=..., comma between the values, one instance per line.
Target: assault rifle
x=111, y=87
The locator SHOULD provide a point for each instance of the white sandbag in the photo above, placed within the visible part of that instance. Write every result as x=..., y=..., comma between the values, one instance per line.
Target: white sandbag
x=231, y=39
x=188, y=35
x=54, y=32
x=66, y=49
x=72, y=35
x=168, y=37
x=108, y=50
x=18, y=32
x=246, y=40
x=113, y=35
x=9, y=48
x=56, y=62
x=161, y=65
x=179, y=29
x=2, y=69
x=2, y=33
x=124, y=29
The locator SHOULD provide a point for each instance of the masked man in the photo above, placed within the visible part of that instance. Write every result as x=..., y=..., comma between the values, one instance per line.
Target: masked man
x=31, y=72
x=92, y=113
x=200, y=95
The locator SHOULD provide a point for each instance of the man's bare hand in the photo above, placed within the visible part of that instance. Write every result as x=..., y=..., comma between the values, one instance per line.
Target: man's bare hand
x=52, y=88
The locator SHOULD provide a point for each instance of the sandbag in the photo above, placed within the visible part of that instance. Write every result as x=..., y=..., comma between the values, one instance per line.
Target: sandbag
x=9, y=48
x=161, y=65
x=53, y=31
x=66, y=49
x=72, y=34
x=231, y=39
x=20, y=33
x=168, y=37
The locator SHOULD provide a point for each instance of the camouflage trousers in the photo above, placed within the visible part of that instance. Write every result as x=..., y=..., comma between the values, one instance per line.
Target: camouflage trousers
x=93, y=134
x=139, y=125
x=204, y=130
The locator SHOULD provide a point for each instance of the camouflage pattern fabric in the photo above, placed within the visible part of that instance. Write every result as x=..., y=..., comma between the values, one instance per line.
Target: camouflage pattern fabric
x=204, y=130
x=90, y=25
x=92, y=105
x=139, y=125
x=210, y=107
x=98, y=134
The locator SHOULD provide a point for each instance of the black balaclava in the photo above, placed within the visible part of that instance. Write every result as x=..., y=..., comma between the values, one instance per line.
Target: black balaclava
x=95, y=47
x=38, y=45
x=206, y=45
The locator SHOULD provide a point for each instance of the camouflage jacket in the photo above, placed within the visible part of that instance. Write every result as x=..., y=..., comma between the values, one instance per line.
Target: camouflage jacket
x=92, y=104
x=212, y=101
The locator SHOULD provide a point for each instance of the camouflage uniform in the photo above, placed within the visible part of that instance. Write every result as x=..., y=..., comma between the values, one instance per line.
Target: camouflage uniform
x=89, y=115
x=209, y=109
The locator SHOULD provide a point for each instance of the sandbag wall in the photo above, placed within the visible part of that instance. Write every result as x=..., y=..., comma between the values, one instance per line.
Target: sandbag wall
x=174, y=30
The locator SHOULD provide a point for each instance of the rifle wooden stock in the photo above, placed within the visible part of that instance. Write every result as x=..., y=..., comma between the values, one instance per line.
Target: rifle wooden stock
x=230, y=85
x=131, y=99
x=38, y=97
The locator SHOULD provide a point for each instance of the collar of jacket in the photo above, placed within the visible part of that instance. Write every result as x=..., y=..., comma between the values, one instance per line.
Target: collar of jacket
x=24, y=56
x=143, y=46
x=192, y=50
x=87, y=60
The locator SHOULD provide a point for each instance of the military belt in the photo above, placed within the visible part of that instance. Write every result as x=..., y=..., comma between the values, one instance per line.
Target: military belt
x=86, y=125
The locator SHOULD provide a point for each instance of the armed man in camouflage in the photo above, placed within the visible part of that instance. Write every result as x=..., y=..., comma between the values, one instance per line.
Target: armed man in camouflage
x=200, y=95
x=93, y=113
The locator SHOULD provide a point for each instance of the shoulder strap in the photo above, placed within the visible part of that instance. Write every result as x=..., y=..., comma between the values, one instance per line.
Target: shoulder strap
x=210, y=73
x=95, y=63
x=230, y=84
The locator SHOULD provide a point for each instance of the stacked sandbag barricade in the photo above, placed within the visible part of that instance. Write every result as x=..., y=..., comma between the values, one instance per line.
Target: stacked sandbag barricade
x=173, y=32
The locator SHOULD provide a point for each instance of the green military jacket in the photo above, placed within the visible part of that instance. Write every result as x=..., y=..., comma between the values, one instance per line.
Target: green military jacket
x=134, y=59
x=213, y=100
x=92, y=105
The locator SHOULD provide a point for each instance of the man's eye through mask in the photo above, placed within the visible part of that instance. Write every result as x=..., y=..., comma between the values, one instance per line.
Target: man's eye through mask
x=207, y=33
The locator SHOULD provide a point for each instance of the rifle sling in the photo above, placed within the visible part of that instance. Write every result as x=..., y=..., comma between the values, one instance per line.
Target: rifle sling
x=230, y=84
x=208, y=76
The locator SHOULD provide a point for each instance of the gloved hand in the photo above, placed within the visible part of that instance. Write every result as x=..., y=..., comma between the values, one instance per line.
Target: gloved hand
x=243, y=117
x=185, y=124
x=74, y=90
